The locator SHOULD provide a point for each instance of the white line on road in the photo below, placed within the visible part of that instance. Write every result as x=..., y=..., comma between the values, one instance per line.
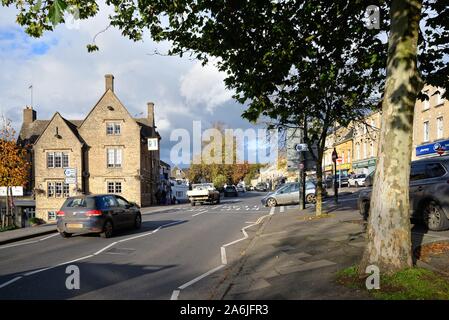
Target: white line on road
x=105, y=248
x=53, y=235
x=174, y=295
x=201, y=212
x=9, y=282
x=272, y=210
x=282, y=209
x=89, y=256
x=201, y=277
x=224, y=260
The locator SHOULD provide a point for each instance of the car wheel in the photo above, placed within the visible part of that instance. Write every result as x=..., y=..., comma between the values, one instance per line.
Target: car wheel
x=271, y=202
x=138, y=222
x=65, y=234
x=434, y=217
x=108, y=229
x=311, y=198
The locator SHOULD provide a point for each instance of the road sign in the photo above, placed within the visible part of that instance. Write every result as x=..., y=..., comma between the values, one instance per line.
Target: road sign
x=70, y=173
x=153, y=144
x=339, y=160
x=300, y=147
x=334, y=155
x=16, y=191
x=70, y=180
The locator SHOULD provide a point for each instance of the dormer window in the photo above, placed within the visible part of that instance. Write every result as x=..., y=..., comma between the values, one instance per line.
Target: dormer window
x=113, y=128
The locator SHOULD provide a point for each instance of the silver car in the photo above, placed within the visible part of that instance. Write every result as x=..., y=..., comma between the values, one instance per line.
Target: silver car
x=289, y=194
x=429, y=193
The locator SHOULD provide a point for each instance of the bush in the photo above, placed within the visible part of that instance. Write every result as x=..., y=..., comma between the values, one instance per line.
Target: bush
x=219, y=181
x=35, y=220
x=8, y=228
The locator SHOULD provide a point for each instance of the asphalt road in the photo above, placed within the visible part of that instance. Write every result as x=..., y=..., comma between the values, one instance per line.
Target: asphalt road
x=172, y=248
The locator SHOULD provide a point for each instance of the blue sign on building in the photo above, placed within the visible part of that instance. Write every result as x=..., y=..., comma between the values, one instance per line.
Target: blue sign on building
x=432, y=148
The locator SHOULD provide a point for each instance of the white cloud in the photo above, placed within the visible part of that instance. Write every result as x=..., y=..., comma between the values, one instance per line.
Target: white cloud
x=68, y=79
x=204, y=85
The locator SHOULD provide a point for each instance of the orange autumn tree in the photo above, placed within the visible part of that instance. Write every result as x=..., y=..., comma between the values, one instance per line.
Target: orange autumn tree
x=14, y=167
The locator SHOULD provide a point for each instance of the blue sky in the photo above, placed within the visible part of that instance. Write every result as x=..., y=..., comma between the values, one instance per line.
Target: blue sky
x=68, y=79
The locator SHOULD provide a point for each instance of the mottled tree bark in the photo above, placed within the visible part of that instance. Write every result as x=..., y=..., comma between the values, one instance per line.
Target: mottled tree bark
x=389, y=236
x=319, y=190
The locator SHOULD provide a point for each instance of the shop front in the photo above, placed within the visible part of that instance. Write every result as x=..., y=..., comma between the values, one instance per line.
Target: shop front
x=365, y=166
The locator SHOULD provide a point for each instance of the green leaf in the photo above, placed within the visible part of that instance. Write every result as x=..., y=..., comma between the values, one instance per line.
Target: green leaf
x=92, y=47
x=56, y=12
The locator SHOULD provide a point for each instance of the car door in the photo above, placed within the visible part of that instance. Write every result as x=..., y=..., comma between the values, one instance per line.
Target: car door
x=111, y=204
x=126, y=212
x=294, y=193
x=283, y=195
x=417, y=181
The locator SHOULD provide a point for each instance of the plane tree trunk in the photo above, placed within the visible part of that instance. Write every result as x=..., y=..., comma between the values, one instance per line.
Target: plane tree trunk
x=389, y=236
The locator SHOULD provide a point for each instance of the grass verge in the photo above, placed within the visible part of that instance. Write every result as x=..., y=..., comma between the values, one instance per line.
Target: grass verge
x=408, y=284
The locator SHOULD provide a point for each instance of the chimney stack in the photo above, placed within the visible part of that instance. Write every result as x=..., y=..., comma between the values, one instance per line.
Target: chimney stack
x=29, y=115
x=151, y=113
x=109, y=81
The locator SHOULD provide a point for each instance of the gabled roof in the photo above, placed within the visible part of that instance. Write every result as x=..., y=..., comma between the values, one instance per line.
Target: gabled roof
x=30, y=132
x=70, y=125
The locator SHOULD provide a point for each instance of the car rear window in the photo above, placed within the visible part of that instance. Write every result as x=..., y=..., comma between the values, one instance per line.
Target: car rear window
x=434, y=170
x=76, y=203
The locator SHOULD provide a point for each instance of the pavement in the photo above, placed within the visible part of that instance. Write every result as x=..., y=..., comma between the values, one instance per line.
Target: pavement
x=235, y=250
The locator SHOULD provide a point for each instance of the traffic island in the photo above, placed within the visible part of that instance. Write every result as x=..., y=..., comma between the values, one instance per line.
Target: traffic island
x=409, y=284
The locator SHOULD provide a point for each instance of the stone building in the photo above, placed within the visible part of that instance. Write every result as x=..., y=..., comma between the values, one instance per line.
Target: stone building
x=431, y=124
x=366, y=136
x=106, y=152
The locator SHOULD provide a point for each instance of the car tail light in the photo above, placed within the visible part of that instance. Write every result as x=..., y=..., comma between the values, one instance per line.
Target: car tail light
x=60, y=213
x=93, y=213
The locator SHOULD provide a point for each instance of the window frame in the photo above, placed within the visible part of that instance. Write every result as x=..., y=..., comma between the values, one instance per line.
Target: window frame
x=440, y=125
x=116, y=154
x=426, y=131
x=113, y=128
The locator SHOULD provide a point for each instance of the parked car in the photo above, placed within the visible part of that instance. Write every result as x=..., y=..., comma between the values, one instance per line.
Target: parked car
x=369, y=179
x=429, y=190
x=289, y=194
x=261, y=186
x=357, y=180
x=329, y=181
x=250, y=188
x=231, y=191
x=241, y=188
x=101, y=214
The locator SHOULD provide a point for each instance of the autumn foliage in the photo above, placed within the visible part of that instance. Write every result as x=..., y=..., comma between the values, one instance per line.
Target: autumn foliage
x=14, y=167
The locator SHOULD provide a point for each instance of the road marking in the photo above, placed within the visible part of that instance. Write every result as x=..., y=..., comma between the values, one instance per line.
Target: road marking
x=197, y=214
x=76, y=260
x=9, y=282
x=89, y=256
x=28, y=242
x=201, y=277
x=272, y=210
x=17, y=244
x=105, y=248
x=224, y=260
x=282, y=209
x=53, y=235
x=175, y=295
x=37, y=271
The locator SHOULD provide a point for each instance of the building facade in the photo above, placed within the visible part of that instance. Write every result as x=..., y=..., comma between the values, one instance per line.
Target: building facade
x=431, y=125
x=107, y=152
x=430, y=134
x=342, y=140
x=366, y=136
